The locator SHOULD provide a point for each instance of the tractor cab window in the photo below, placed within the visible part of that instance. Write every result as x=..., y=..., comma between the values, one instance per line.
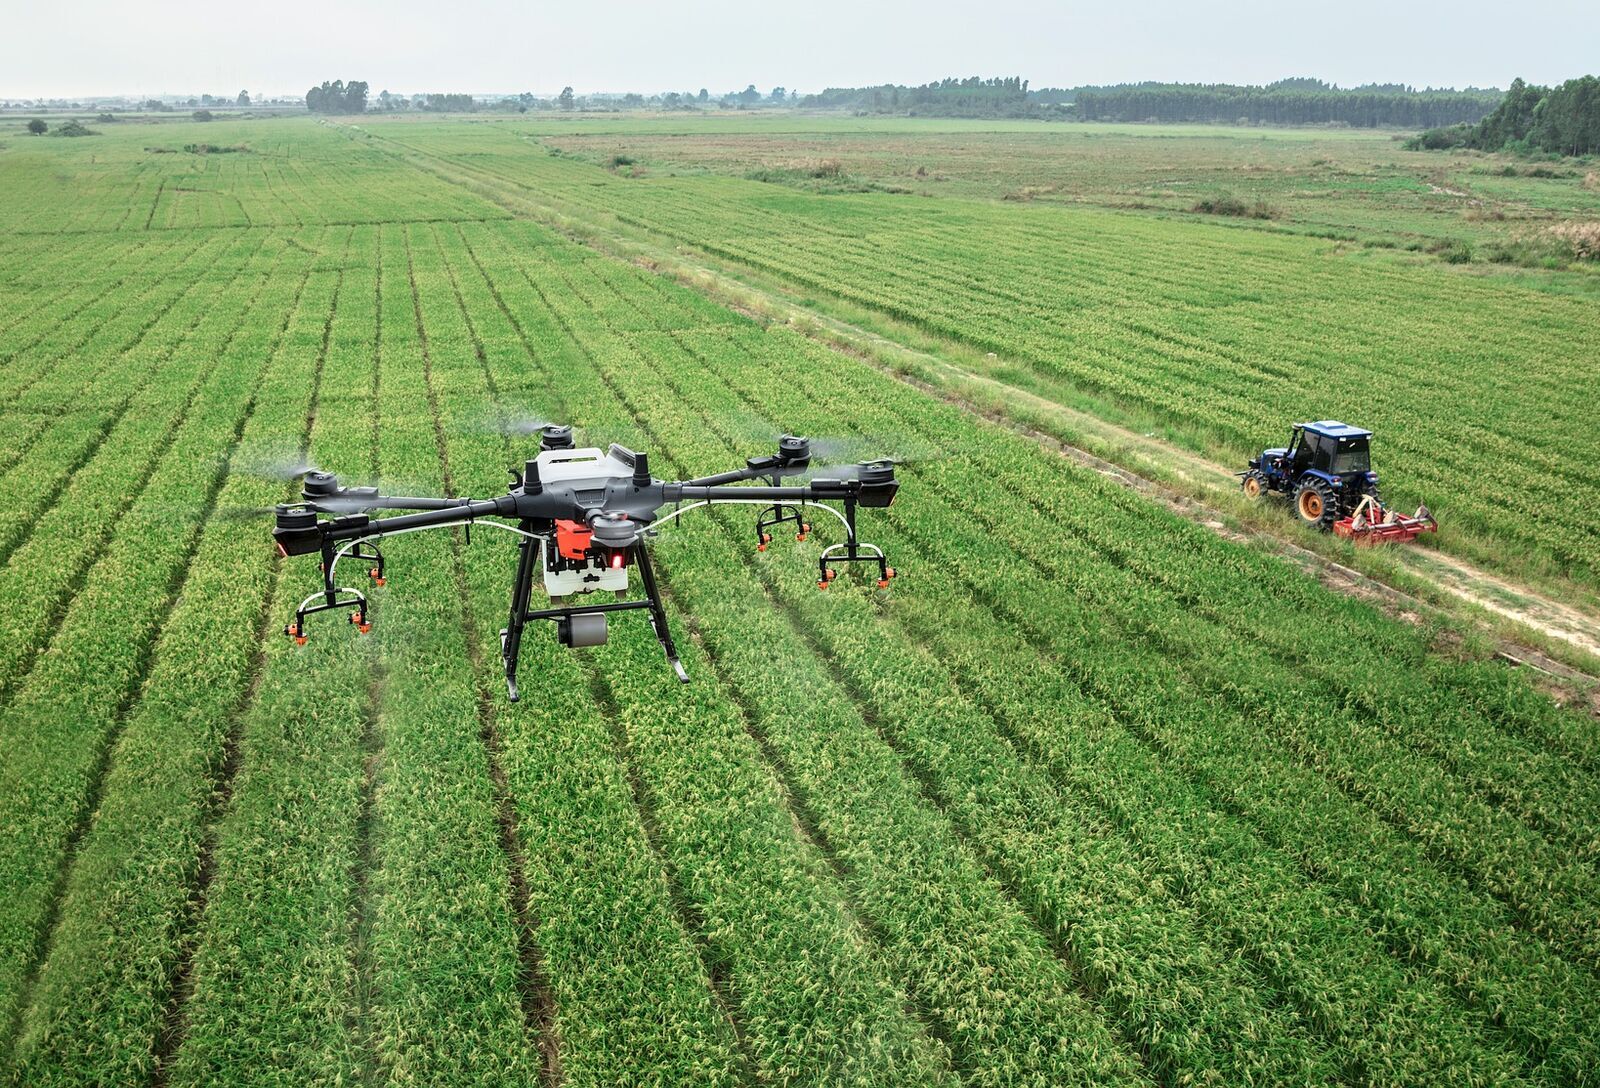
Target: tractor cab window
x=1353, y=455
x=1322, y=452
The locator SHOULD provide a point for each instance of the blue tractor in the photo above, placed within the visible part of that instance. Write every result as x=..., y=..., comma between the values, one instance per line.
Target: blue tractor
x=1327, y=468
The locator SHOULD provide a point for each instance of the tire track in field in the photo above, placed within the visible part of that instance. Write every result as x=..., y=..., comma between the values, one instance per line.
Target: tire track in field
x=179, y=988
x=533, y=987
x=57, y=610
x=365, y=859
x=145, y=653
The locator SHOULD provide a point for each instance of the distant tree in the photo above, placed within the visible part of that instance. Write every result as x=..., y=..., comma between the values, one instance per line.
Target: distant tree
x=337, y=97
x=749, y=96
x=243, y=99
x=565, y=98
x=201, y=115
x=778, y=95
x=633, y=100
x=74, y=128
x=450, y=103
x=672, y=100
x=154, y=105
x=38, y=127
x=704, y=96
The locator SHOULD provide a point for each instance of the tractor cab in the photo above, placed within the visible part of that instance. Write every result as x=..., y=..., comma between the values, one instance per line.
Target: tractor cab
x=1330, y=449
x=1327, y=468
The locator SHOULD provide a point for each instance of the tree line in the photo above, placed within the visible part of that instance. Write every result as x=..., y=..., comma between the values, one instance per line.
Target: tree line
x=1287, y=102
x=1562, y=120
x=973, y=96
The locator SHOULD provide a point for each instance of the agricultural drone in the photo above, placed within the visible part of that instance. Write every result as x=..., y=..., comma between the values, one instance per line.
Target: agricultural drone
x=584, y=517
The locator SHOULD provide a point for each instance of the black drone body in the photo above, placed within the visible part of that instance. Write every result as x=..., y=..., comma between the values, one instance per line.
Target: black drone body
x=584, y=517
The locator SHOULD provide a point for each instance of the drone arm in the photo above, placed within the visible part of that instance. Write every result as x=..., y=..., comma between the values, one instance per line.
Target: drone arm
x=458, y=510
x=405, y=502
x=867, y=494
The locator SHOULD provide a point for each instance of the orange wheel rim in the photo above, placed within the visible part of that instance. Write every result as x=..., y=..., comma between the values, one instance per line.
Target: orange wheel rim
x=1310, y=505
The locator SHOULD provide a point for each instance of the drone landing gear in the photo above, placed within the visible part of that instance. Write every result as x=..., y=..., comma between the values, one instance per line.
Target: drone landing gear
x=851, y=551
x=776, y=515
x=578, y=625
x=338, y=597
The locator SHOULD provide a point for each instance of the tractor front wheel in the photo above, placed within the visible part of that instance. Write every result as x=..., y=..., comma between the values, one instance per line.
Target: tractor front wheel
x=1313, y=501
x=1254, y=484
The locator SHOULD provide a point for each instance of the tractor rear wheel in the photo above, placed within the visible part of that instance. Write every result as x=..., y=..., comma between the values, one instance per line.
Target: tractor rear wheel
x=1254, y=484
x=1313, y=501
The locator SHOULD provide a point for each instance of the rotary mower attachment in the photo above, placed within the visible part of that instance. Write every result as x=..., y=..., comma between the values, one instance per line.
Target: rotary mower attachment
x=1372, y=523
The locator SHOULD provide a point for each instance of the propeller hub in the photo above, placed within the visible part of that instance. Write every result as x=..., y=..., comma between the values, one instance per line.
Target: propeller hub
x=614, y=531
x=555, y=436
x=319, y=484
x=794, y=450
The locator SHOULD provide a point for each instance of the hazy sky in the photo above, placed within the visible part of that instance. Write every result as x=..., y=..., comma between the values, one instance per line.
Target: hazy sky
x=86, y=47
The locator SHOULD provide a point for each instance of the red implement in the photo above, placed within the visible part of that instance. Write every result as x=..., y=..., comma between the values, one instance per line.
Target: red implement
x=1370, y=523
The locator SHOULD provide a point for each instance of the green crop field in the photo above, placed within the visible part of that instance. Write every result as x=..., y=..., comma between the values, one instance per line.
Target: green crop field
x=1091, y=795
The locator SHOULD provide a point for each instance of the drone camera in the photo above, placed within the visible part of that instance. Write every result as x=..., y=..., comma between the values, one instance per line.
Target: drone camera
x=583, y=629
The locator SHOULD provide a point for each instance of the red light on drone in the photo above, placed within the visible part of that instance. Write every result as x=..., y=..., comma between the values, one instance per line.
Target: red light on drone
x=616, y=560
